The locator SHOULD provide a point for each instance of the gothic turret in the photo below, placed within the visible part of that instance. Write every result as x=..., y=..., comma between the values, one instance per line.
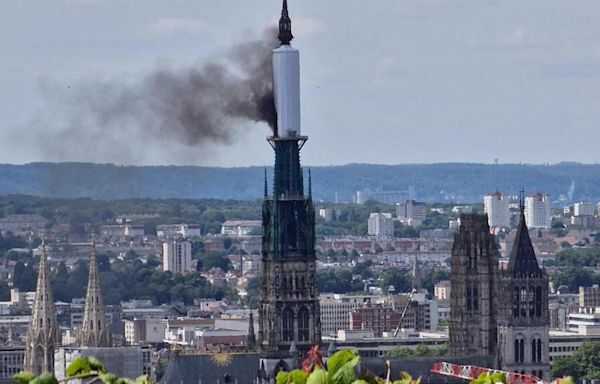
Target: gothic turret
x=42, y=335
x=94, y=331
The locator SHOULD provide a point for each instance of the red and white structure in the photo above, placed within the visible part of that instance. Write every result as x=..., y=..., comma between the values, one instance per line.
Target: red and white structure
x=472, y=372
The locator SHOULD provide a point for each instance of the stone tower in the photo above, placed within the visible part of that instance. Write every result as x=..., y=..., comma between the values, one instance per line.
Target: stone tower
x=523, y=318
x=42, y=335
x=94, y=331
x=473, y=286
x=289, y=307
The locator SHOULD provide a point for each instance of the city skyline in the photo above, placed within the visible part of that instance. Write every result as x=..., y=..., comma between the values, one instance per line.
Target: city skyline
x=499, y=77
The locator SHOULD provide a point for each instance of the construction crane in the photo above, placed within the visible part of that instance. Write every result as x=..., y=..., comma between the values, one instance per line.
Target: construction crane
x=472, y=372
x=410, y=297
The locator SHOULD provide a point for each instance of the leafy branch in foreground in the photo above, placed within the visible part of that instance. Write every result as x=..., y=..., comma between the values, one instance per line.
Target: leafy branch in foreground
x=86, y=369
x=342, y=368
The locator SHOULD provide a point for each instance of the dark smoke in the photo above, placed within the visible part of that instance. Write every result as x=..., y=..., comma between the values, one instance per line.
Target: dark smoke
x=196, y=106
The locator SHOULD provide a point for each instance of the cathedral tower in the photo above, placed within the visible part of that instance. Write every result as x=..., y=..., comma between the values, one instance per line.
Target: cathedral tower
x=473, y=288
x=289, y=309
x=523, y=321
x=42, y=335
x=94, y=331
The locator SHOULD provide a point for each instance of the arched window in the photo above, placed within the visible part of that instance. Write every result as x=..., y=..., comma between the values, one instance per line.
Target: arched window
x=539, y=350
x=533, y=351
x=516, y=302
x=288, y=324
x=303, y=325
x=519, y=350
x=522, y=350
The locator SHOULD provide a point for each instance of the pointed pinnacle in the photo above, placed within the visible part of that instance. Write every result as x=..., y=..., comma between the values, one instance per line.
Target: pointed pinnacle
x=285, y=26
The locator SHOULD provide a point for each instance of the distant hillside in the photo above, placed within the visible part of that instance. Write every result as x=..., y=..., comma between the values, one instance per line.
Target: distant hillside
x=457, y=182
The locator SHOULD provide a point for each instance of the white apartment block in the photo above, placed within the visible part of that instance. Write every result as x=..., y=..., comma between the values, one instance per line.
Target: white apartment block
x=411, y=213
x=336, y=308
x=326, y=214
x=537, y=211
x=495, y=205
x=583, y=209
x=381, y=224
x=442, y=290
x=177, y=256
x=178, y=230
x=240, y=228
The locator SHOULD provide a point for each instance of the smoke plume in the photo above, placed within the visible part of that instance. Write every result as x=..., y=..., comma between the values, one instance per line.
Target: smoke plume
x=198, y=106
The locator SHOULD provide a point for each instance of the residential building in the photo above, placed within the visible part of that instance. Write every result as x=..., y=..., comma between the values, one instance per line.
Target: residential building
x=537, y=211
x=495, y=205
x=411, y=213
x=326, y=213
x=11, y=363
x=178, y=230
x=130, y=362
x=381, y=224
x=177, y=256
x=143, y=331
x=589, y=297
x=241, y=228
x=376, y=317
x=22, y=222
x=336, y=308
x=441, y=290
x=583, y=209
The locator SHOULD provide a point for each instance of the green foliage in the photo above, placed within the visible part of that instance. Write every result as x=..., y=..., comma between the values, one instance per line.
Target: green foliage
x=486, y=378
x=420, y=351
x=80, y=368
x=343, y=369
x=583, y=364
x=132, y=279
x=578, y=257
x=337, y=281
x=23, y=377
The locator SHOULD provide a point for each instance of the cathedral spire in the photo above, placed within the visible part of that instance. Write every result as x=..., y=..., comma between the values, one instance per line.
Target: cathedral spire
x=285, y=26
x=94, y=332
x=251, y=335
x=522, y=261
x=42, y=335
x=309, y=184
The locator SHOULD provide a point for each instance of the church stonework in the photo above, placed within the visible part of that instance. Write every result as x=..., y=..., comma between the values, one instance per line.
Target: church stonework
x=289, y=312
x=523, y=317
x=94, y=331
x=473, y=300
x=42, y=335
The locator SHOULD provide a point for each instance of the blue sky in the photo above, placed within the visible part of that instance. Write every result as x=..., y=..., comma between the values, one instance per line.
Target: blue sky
x=383, y=81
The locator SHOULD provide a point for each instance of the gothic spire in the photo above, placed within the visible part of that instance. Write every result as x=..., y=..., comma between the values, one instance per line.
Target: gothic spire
x=285, y=26
x=522, y=261
x=42, y=335
x=309, y=183
x=94, y=332
x=251, y=335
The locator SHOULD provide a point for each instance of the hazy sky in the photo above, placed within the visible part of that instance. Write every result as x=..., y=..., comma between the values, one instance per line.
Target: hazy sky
x=383, y=81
